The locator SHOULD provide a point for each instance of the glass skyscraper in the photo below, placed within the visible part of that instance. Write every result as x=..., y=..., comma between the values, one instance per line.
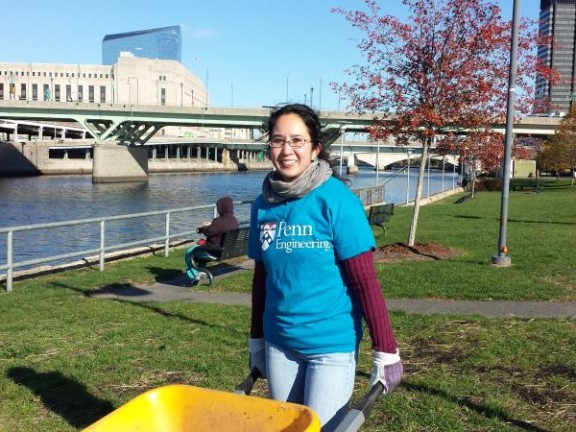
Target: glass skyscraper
x=160, y=43
x=558, y=22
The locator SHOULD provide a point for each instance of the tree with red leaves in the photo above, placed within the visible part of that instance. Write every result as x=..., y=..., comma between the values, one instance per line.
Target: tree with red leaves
x=485, y=146
x=440, y=76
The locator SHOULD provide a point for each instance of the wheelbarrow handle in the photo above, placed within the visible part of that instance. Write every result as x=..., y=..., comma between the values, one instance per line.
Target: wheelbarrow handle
x=365, y=404
x=358, y=415
x=245, y=387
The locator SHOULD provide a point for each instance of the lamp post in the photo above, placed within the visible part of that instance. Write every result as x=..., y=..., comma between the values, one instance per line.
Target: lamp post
x=454, y=172
x=461, y=164
x=472, y=160
x=408, y=178
x=501, y=258
x=428, y=170
x=443, y=170
x=342, y=133
x=320, y=96
x=311, y=97
x=377, y=161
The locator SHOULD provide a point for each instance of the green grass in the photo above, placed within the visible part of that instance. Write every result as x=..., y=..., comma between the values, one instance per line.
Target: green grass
x=541, y=236
x=66, y=359
x=541, y=232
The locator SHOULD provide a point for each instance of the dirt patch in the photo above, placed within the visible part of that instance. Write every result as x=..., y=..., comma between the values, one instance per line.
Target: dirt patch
x=420, y=251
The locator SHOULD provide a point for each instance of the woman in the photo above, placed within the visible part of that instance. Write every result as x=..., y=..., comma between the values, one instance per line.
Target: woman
x=314, y=277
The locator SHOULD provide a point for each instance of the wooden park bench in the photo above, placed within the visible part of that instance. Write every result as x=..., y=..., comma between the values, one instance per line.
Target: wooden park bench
x=380, y=213
x=234, y=244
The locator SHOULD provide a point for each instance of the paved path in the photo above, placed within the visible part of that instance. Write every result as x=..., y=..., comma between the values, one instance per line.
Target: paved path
x=497, y=309
x=179, y=289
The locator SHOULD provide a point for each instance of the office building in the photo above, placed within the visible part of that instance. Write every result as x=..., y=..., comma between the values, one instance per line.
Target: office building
x=160, y=43
x=557, y=22
x=131, y=80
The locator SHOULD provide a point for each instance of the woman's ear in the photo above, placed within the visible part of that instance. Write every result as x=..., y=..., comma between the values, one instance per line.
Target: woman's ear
x=316, y=151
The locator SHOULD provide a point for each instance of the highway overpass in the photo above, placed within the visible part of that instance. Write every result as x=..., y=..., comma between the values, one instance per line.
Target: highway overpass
x=137, y=124
x=134, y=126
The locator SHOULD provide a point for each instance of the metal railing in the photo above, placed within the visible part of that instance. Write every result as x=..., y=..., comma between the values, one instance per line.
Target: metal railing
x=105, y=246
x=371, y=195
x=368, y=196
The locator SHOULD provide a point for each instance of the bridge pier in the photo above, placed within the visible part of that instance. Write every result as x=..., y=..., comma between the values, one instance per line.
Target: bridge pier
x=352, y=166
x=226, y=161
x=117, y=163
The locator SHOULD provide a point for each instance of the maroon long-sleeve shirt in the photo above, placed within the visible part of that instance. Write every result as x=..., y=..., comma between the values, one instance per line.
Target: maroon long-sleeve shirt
x=362, y=280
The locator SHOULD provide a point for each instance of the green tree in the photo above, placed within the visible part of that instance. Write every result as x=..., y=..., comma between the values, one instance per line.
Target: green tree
x=559, y=152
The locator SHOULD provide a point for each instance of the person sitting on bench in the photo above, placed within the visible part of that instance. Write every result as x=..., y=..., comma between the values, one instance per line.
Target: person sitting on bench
x=210, y=248
x=224, y=222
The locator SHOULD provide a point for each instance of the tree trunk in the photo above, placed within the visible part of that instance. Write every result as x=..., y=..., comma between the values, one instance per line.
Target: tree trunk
x=419, y=186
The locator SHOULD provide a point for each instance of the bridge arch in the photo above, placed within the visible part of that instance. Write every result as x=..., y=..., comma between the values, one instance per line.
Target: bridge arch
x=384, y=159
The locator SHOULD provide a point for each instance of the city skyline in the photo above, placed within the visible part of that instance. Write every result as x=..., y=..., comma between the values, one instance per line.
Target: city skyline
x=248, y=56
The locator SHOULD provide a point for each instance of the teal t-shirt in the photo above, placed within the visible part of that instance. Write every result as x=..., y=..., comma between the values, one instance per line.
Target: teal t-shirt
x=308, y=306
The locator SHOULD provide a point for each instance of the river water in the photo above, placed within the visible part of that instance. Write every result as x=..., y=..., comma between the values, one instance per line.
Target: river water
x=44, y=199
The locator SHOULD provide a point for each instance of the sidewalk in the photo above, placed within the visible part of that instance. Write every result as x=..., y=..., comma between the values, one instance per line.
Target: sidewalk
x=179, y=289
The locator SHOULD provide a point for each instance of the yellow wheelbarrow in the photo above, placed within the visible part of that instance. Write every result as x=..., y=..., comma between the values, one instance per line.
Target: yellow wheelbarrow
x=185, y=408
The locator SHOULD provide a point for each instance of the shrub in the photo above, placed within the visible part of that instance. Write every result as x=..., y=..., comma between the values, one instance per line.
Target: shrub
x=489, y=184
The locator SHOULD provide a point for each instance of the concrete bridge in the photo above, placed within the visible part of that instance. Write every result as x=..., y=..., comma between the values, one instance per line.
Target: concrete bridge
x=134, y=126
x=137, y=124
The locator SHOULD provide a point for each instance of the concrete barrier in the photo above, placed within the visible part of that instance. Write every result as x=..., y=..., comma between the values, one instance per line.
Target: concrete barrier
x=437, y=197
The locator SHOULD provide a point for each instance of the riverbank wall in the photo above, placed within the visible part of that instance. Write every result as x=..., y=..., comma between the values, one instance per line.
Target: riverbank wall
x=34, y=159
x=437, y=197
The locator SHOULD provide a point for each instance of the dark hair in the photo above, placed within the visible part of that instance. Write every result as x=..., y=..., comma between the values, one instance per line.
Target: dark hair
x=310, y=119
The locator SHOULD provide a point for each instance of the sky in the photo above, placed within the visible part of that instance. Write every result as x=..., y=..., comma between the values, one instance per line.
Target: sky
x=251, y=53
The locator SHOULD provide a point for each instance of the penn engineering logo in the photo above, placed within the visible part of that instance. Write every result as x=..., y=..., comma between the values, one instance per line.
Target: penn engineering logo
x=283, y=236
x=267, y=234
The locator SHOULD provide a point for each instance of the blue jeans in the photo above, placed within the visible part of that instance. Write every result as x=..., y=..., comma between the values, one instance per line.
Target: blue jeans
x=323, y=382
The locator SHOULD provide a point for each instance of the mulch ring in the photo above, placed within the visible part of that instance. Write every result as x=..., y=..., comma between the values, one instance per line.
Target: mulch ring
x=419, y=252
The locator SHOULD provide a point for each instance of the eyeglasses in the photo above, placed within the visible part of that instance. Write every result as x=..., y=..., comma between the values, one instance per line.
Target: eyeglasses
x=296, y=142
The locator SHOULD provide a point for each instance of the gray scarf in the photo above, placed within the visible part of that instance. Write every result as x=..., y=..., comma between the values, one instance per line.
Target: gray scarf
x=276, y=190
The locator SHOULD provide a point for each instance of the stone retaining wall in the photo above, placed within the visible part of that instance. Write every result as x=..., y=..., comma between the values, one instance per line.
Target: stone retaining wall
x=437, y=197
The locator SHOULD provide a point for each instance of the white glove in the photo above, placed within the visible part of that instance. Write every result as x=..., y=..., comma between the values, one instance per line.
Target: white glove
x=257, y=355
x=386, y=368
